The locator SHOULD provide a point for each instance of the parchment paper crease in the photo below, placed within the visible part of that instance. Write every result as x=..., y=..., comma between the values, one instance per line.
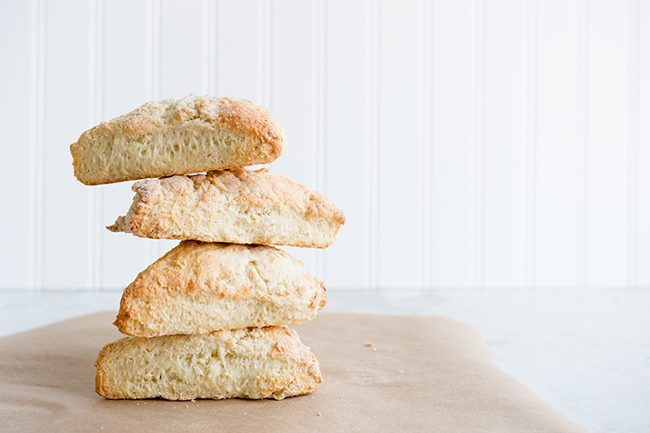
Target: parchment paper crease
x=419, y=374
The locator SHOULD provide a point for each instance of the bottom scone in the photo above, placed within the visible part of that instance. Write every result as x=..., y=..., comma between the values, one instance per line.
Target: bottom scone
x=251, y=363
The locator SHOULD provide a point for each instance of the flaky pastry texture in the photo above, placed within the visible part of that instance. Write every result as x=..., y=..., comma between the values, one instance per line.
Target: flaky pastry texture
x=246, y=363
x=201, y=287
x=189, y=135
x=235, y=206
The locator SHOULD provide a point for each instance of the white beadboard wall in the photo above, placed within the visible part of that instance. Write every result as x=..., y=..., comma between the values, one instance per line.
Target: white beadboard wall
x=471, y=143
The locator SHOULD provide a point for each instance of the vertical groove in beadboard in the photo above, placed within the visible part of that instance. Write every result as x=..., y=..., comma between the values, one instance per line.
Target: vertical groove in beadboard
x=373, y=145
x=319, y=36
x=34, y=54
x=153, y=24
x=95, y=98
x=633, y=127
x=214, y=78
x=210, y=10
x=90, y=205
x=583, y=140
x=264, y=52
x=99, y=210
x=37, y=137
x=426, y=143
x=478, y=140
x=207, y=41
x=532, y=99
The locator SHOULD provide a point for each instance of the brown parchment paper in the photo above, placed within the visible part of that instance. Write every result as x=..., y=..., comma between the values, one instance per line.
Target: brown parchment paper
x=420, y=374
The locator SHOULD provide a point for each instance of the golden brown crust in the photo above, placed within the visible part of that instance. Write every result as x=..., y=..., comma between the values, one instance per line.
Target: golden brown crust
x=234, y=206
x=251, y=363
x=201, y=287
x=250, y=119
x=190, y=135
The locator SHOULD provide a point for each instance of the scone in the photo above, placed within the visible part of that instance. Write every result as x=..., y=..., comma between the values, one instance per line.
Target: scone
x=200, y=287
x=234, y=206
x=190, y=135
x=246, y=363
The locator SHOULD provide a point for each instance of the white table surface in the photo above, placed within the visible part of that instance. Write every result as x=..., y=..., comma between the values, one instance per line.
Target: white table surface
x=587, y=353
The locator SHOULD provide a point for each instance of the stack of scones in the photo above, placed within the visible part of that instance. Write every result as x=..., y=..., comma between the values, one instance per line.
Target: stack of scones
x=208, y=319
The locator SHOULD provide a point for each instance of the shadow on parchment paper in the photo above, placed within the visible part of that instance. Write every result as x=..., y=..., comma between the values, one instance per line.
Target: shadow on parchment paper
x=381, y=373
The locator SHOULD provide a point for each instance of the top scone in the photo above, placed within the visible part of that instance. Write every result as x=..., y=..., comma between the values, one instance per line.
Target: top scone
x=189, y=135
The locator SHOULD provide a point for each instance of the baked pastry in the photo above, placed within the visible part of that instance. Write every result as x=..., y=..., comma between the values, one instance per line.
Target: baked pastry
x=235, y=206
x=200, y=287
x=189, y=135
x=246, y=363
